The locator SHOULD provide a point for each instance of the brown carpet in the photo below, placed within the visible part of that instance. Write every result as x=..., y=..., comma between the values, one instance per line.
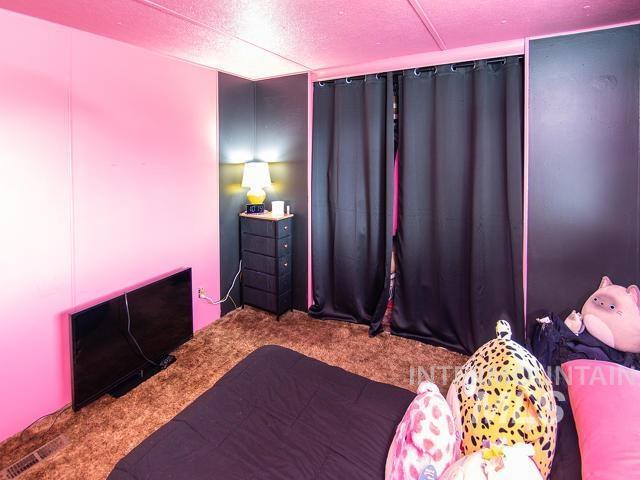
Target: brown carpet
x=106, y=430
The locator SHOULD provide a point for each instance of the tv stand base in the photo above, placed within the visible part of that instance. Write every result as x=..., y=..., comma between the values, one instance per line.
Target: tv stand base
x=140, y=376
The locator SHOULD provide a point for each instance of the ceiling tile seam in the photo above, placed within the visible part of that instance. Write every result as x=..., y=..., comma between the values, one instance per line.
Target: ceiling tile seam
x=173, y=13
x=428, y=24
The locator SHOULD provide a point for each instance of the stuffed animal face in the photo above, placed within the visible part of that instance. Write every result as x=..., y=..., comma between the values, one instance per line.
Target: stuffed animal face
x=501, y=463
x=612, y=315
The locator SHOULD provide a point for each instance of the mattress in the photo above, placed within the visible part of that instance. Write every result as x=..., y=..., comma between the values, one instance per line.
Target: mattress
x=276, y=415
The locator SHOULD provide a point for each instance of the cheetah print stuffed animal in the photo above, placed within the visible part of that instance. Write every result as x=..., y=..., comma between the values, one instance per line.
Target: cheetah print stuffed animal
x=503, y=393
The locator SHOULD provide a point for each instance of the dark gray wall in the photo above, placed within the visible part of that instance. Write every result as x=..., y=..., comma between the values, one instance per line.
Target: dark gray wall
x=281, y=134
x=236, y=114
x=265, y=120
x=584, y=202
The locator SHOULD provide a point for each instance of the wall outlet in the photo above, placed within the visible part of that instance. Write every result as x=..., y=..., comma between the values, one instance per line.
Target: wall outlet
x=202, y=292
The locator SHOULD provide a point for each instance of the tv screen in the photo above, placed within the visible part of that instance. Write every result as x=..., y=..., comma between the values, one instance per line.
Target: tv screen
x=162, y=315
x=104, y=354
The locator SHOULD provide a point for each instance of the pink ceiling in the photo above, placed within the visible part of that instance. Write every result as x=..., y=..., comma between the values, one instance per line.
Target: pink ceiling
x=264, y=38
x=471, y=22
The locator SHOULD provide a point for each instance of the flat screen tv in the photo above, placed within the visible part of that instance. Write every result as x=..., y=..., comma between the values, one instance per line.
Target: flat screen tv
x=126, y=337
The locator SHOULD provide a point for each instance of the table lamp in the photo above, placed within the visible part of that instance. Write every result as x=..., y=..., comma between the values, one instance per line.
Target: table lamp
x=255, y=177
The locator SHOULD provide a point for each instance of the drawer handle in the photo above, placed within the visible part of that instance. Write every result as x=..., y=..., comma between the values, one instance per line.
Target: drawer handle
x=286, y=227
x=286, y=264
x=286, y=245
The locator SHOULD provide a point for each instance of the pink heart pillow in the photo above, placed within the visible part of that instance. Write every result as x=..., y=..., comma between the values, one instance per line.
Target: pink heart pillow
x=605, y=399
x=425, y=439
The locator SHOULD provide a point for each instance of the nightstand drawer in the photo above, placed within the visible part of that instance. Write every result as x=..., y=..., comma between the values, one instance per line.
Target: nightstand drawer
x=267, y=301
x=257, y=244
x=284, y=265
x=262, y=228
x=284, y=227
x=266, y=246
x=265, y=264
x=259, y=263
x=268, y=283
x=284, y=246
x=266, y=228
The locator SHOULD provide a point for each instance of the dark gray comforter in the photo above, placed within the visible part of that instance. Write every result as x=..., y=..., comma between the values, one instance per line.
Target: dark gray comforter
x=276, y=415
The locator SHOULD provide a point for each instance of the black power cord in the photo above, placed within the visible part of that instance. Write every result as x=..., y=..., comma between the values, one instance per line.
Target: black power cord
x=159, y=365
x=57, y=414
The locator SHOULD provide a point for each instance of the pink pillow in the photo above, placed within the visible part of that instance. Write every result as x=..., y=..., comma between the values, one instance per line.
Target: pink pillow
x=605, y=400
x=425, y=441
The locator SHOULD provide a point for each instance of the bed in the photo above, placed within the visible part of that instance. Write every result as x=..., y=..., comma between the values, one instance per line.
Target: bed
x=276, y=415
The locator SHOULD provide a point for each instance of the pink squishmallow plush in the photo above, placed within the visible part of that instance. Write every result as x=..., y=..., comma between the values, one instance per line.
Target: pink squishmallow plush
x=612, y=315
x=425, y=442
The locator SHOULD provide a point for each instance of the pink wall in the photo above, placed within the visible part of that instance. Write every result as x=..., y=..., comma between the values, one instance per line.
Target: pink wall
x=108, y=177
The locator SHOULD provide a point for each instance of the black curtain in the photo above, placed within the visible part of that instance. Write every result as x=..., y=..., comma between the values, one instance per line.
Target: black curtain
x=459, y=241
x=352, y=197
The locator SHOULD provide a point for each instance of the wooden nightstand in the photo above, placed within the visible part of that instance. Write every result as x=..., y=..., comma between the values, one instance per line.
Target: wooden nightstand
x=266, y=248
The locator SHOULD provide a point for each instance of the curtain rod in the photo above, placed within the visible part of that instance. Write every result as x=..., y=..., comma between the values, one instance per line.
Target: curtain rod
x=433, y=68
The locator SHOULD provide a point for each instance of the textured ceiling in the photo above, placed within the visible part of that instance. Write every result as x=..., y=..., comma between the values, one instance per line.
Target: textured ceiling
x=264, y=38
x=471, y=22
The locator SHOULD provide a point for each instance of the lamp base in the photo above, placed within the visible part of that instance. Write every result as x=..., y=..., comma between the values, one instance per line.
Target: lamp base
x=253, y=209
x=256, y=196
